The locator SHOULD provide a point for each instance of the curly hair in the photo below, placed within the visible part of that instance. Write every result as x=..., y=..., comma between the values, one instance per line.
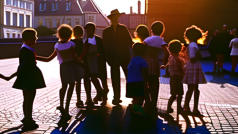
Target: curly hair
x=64, y=32
x=194, y=33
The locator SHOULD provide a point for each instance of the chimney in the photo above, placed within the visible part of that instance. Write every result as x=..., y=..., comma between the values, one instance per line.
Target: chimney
x=131, y=11
x=139, y=7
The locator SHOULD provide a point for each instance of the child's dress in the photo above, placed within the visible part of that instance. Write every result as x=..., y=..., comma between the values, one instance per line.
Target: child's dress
x=95, y=57
x=193, y=71
x=135, y=80
x=29, y=76
x=70, y=71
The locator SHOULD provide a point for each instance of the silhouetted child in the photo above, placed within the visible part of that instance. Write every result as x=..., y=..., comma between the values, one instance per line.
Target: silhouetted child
x=193, y=69
x=154, y=44
x=70, y=66
x=176, y=70
x=29, y=77
x=78, y=33
x=137, y=79
x=96, y=61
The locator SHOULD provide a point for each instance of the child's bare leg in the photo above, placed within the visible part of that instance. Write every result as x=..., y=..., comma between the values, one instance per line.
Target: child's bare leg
x=69, y=96
x=171, y=100
x=62, y=94
x=105, y=90
x=31, y=101
x=188, y=96
x=196, y=98
x=154, y=89
x=87, y=86
x=98, y=88
x=29, y=97
x=78, y=91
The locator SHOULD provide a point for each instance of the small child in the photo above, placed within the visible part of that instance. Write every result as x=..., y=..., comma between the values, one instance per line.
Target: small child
x=70, y=66
x=154, y=44
x=29, y=77
x=176, y=64
x=96, y=61
x=78, y=33
x=137, y=79
x=193, y=69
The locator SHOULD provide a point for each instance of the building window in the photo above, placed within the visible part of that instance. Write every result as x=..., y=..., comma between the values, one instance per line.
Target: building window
x=8, y=35
x=7, y=18
x=14, y=19
x=29, y=6
x=28, y=20
x=15, y=3
x=68, y=5
x=77, y=21
x=91, y=18
x=19, y=36
x=21, y=20
x=13, y=35
x=40, y=22
x=57, y=22
x=42, y=6
x=8, y=2
x=21, y=4
x=49, y=23
x=54, y=6
x=68, y=21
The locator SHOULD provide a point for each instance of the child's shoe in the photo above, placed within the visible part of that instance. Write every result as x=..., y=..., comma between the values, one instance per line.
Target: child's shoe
x=136, y=109
x=29, y=125
x=170, y=110
x=79, y=104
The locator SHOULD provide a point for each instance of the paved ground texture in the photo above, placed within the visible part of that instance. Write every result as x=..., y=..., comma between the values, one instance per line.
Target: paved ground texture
x=218, y=104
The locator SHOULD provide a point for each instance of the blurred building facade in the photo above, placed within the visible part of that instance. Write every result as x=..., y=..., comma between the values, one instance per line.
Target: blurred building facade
x=177, y=15
x=15, y=15
x=53, y=13
x=133, y=19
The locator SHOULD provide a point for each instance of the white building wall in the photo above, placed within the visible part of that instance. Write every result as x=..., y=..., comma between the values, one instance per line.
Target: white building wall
x=10, y=30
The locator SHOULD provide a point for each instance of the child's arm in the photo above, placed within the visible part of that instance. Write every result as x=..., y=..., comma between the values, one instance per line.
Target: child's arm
x=85, y=50
x=166, y=54
x=197, y=57
x=77, y=59
x=47, y=59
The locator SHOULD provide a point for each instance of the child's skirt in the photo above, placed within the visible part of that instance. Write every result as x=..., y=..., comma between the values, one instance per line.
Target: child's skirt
x=135, y=89
x=70, y=72
x=29, y=79
x=194, y=73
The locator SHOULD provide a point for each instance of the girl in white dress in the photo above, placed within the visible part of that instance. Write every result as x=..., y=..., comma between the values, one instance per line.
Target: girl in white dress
x=193, y=70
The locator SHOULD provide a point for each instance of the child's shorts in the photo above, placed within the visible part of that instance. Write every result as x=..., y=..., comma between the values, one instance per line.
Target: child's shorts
x=176, y=85
x=135, y=89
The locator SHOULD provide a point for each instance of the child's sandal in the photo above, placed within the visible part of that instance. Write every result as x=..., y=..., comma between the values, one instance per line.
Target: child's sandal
x=79, y=104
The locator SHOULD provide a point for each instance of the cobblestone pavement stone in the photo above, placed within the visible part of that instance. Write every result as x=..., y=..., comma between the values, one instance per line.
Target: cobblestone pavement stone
x=218, y=105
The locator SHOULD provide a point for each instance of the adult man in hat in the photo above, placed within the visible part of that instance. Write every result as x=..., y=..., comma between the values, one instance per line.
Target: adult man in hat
x=116, y=40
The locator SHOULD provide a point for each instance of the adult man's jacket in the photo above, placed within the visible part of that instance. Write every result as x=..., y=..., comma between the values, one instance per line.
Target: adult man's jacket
x=116, y=44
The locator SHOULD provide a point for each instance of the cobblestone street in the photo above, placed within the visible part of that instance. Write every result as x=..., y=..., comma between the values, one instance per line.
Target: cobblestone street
x=218, y=103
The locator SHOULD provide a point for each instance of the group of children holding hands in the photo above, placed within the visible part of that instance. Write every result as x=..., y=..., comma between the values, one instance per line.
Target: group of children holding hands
x=87, y=60
x=184, y=68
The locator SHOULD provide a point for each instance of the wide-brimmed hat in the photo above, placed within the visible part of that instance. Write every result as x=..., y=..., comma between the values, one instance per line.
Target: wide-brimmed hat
x=114, y=13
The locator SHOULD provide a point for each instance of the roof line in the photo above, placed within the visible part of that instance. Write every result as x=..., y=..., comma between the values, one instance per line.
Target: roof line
x=100, y=11
x=80, y=7
x=85, y=3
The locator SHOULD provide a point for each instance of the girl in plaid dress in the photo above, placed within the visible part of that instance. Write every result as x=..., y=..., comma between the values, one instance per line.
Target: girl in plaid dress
x=176, y=70
x=193, y=70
